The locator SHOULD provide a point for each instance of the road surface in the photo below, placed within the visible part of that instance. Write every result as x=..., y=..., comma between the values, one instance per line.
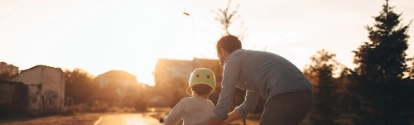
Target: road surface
x=88, y=119
x=127, y=119
x=80, y=119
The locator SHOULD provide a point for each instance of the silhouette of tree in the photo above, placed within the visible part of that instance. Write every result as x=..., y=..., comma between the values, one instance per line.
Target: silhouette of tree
x=346, y=100
x=325, y=109
x=380, y=66
x=79, y=85
x=6, y=76
x=226, y=17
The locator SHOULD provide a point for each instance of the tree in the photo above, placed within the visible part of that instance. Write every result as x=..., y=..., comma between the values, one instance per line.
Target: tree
x=325, y=109
x=378, y=82
x=6, y=76
x=79, y=85
x=226, y=17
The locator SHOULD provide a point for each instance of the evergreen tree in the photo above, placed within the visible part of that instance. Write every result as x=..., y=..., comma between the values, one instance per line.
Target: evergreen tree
x=380, y=66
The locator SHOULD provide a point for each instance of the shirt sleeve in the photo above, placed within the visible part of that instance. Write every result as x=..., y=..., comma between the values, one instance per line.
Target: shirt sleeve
x=176, y=113
x=249, y=103
x=231, y=72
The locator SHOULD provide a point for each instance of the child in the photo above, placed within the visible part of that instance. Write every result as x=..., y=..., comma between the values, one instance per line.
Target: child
x=195, y=110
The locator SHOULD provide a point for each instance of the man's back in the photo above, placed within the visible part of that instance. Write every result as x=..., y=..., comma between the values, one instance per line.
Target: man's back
x=269, y=73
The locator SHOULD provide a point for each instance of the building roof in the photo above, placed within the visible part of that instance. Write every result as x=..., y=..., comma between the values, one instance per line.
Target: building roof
x=22, y=71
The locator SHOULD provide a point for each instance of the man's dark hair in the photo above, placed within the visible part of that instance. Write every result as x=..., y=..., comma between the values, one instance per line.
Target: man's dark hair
x=201, y=89
x=229, y=43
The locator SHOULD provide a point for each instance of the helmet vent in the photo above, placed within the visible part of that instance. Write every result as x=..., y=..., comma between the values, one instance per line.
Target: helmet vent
x=208, y=76
x=197, y=75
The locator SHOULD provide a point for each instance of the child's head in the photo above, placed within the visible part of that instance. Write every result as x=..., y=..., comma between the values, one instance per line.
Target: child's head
x=201, y=89
x=202, y=82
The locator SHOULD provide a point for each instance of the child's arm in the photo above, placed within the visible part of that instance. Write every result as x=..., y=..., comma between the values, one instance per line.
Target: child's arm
x=176, y=113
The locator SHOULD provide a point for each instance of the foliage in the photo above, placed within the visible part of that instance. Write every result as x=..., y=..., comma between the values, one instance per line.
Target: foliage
x=226, y=18
x=378, y=81
x=6, y=76
x=325, y=88
x=79, y=85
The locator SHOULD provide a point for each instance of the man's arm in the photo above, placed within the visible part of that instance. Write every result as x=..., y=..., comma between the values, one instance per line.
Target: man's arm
x=233, y=116
x=246, y=107
x=231, y=73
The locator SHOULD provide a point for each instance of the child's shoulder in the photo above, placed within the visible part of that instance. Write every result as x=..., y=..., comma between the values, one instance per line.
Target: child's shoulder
x=195, y=98
x=187, y=98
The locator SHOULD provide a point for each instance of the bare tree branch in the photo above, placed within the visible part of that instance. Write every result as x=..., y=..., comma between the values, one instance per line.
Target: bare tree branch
x=226, y=17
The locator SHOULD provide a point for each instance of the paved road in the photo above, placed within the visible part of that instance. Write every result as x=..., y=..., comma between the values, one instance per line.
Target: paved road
x=80, y=119
x=127, y=119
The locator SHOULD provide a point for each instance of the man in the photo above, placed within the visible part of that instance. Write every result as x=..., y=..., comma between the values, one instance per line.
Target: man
x=286, y=90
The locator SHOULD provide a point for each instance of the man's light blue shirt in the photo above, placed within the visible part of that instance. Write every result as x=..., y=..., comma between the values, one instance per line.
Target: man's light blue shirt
x=259, y=73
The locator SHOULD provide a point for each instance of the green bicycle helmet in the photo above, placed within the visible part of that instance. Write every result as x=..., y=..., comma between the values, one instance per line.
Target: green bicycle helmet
x=202, y=76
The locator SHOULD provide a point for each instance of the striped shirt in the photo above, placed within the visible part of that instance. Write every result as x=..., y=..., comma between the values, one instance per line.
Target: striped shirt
x=259, y=73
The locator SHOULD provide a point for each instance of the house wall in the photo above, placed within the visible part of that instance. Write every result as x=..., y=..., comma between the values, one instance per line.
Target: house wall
x=34, y=99
x=13, y=98
x=6, y=94
x=46, y=88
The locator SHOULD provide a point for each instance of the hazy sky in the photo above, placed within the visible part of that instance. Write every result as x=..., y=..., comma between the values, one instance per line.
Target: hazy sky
x=101, y=35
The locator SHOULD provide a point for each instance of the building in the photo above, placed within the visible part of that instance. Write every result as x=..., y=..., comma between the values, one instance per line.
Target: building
x=13, y=98
x=171, y=77
x=4, y=68
x=46, y=86
x=118, y=88
x=167, y=70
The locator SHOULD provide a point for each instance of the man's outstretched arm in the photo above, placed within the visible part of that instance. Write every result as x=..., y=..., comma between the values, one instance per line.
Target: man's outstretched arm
x=233, y=116
x=246, y=107
x=231, y=73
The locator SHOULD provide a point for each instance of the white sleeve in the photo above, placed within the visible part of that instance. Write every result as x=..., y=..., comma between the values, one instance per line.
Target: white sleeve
x=176, y=113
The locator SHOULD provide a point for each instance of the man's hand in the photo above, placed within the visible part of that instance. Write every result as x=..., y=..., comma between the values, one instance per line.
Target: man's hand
x=215, y=121
x=233, y=116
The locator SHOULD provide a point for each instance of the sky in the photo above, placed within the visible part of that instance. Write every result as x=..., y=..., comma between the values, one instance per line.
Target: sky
x=130, y=35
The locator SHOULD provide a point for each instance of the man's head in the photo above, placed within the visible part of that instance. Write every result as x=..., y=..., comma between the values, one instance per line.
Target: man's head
x=226, y=45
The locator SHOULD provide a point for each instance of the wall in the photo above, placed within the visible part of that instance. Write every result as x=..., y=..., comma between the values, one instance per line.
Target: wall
x=13, y=98
x=46, y=88
x=34, y=99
